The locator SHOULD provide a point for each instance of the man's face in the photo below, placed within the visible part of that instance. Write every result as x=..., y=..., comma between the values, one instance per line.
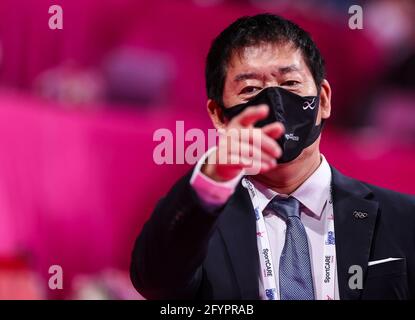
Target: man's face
x=268, y=65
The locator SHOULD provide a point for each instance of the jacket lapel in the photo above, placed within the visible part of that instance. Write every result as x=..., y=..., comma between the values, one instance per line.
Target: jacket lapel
x=238, y=230
x=354, y=221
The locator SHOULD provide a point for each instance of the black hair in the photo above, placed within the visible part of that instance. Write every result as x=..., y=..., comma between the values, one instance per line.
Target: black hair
x=253, y=31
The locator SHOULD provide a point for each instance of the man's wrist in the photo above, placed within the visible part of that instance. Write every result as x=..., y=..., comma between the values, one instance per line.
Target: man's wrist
x=213, y=193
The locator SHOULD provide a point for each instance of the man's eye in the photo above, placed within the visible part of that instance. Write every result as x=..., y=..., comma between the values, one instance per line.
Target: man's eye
x=290, y=83
x=250, y=90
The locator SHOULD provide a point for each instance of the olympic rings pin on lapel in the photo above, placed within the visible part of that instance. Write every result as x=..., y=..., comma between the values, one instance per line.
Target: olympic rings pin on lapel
x=360, y=214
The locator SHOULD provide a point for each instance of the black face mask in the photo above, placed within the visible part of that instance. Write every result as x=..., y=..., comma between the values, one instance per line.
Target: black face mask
x=298, y=115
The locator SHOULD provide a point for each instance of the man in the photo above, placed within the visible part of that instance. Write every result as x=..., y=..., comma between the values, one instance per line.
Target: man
x=298, y=229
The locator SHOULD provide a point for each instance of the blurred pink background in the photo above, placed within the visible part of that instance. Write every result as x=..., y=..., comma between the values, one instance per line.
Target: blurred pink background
x=79, y=106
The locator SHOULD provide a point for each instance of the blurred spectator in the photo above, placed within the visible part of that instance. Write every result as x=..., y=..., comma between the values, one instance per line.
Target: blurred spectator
x=138, y=76
x=17, y=281
x=388, y=108
x=391, y=23
x=394, y=117
x=70, y=85
x=107, y=285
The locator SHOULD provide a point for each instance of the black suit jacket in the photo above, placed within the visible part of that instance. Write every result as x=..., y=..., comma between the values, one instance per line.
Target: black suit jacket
x=184, y=252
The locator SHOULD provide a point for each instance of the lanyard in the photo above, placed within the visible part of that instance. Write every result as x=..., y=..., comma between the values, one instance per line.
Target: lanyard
x=268, y=275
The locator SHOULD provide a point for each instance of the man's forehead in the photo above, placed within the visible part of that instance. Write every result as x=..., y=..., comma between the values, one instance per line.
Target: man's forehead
x=272, y=50
x=281, y=58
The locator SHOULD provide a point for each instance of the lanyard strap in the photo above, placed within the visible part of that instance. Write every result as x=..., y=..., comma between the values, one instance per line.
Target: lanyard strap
x=268, y=275
x=329, y=265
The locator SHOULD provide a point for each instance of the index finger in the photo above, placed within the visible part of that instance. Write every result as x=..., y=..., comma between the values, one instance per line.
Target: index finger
x=251, y=115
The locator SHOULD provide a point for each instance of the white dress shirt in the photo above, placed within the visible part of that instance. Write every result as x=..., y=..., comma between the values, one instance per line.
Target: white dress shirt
x=313, y=195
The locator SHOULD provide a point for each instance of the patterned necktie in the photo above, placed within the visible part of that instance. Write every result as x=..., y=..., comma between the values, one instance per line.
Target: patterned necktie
x=296, y=282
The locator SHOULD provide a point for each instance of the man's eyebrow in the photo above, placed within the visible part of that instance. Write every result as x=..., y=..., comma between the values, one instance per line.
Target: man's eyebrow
x=257, y=76
x=247, y=76
x=288, y=69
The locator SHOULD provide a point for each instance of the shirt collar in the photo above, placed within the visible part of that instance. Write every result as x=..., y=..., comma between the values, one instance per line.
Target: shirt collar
x=306, y=193
x=319, y=180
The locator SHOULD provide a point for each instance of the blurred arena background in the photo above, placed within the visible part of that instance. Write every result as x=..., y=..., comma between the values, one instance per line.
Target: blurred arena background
x=79, y=106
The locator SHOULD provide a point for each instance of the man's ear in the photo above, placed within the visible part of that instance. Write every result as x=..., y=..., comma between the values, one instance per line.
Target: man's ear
x=325, y=100
x=216, y=114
